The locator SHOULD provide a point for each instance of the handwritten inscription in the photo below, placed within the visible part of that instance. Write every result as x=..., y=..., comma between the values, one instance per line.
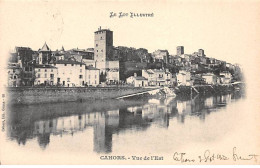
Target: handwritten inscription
x=209, y=156
x=130, y=15
x=181, y=157
x=237, y=157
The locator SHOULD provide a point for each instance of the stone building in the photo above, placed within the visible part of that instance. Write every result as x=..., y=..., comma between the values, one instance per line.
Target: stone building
x=70, y=73
x=137, y=81
x=92, y=76
x=209, y=78
x=161, y=55
x=14, y=75
x=103, y=54
x=201, y=53
x=183, y=78
x=180, y=50
x=45, y=75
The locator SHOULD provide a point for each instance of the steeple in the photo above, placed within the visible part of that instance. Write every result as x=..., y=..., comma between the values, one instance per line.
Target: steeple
x=62, y=48
x=45, y=47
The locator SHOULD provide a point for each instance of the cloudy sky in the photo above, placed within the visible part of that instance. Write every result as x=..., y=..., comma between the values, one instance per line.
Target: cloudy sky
x=225, y=30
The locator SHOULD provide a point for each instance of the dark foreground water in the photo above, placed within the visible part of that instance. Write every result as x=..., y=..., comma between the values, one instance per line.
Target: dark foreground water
x=119, y=125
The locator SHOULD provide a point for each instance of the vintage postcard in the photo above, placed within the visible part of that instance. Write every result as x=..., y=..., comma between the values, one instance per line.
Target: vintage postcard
x=131, y=82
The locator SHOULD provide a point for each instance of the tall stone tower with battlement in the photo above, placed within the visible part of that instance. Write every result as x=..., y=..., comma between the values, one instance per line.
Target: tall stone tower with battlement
x=103, y=51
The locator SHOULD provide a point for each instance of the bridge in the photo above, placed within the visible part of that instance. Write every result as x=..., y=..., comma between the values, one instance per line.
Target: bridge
x=151, y=92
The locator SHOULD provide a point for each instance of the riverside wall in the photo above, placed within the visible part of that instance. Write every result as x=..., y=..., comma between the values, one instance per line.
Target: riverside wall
x=34, y=95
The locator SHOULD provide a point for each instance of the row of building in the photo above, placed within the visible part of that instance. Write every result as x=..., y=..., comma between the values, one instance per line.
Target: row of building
x=155, y=77
x=92, y=66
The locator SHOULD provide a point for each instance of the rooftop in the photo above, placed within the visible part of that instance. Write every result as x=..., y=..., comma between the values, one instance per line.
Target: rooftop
x=68, y=62
x=140, y=78
x=91, y=68
x=100, y=30
x=45, y=47
x=44, y=66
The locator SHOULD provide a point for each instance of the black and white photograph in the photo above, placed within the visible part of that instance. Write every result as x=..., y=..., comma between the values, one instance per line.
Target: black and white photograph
x=130, y=82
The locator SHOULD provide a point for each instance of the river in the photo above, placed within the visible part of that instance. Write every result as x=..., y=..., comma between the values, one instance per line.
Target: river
x=119, y=126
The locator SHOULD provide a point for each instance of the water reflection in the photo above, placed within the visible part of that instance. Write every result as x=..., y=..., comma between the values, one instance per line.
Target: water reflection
x=106, y=118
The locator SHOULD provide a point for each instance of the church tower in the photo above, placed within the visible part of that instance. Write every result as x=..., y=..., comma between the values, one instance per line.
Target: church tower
x=44, y=54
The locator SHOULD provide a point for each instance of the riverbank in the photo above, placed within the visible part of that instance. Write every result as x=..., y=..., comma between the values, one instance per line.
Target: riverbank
x=37, y=95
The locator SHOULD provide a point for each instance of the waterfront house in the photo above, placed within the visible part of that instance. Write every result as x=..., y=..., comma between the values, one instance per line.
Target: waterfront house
x=169, y=78
x=150, y=75
x=183, y=78
x=226, y=77
x=137, y=81
x=71, y=73
x=210, y=78
x=92, y=75
x=14, y=75
x=158, y=77
x=45, y=75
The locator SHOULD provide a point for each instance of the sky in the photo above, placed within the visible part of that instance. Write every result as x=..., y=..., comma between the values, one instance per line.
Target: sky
x=226, y=30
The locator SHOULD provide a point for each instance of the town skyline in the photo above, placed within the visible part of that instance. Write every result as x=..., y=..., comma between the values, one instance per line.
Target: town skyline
x=63, y=26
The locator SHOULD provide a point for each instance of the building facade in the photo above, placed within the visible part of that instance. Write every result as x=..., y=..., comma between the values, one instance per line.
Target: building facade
x=209, y=78
x=92, y=76
x=137, y=81
x=70, y=73
x=183, y=78
x=161, y=55
x=14, y=75
x=45, y=75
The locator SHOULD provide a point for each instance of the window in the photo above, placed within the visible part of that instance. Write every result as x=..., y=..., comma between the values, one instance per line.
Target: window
x=80, y=65
x=65, y=64
x=72, y=64
x=45, y=70
x=45, y=75
x=39, y=75
x=96, y=45
x=97, y=50
x=80, y=70
x=100, y=38
x=39, y=70
x=51, y=70
x=14, y=76
x=80, y=76
x=52, y=76
x=68, y=79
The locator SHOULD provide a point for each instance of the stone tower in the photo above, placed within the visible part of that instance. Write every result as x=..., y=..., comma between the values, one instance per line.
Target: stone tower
x=103, y=52
x=180, y=50
x=44, y=54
